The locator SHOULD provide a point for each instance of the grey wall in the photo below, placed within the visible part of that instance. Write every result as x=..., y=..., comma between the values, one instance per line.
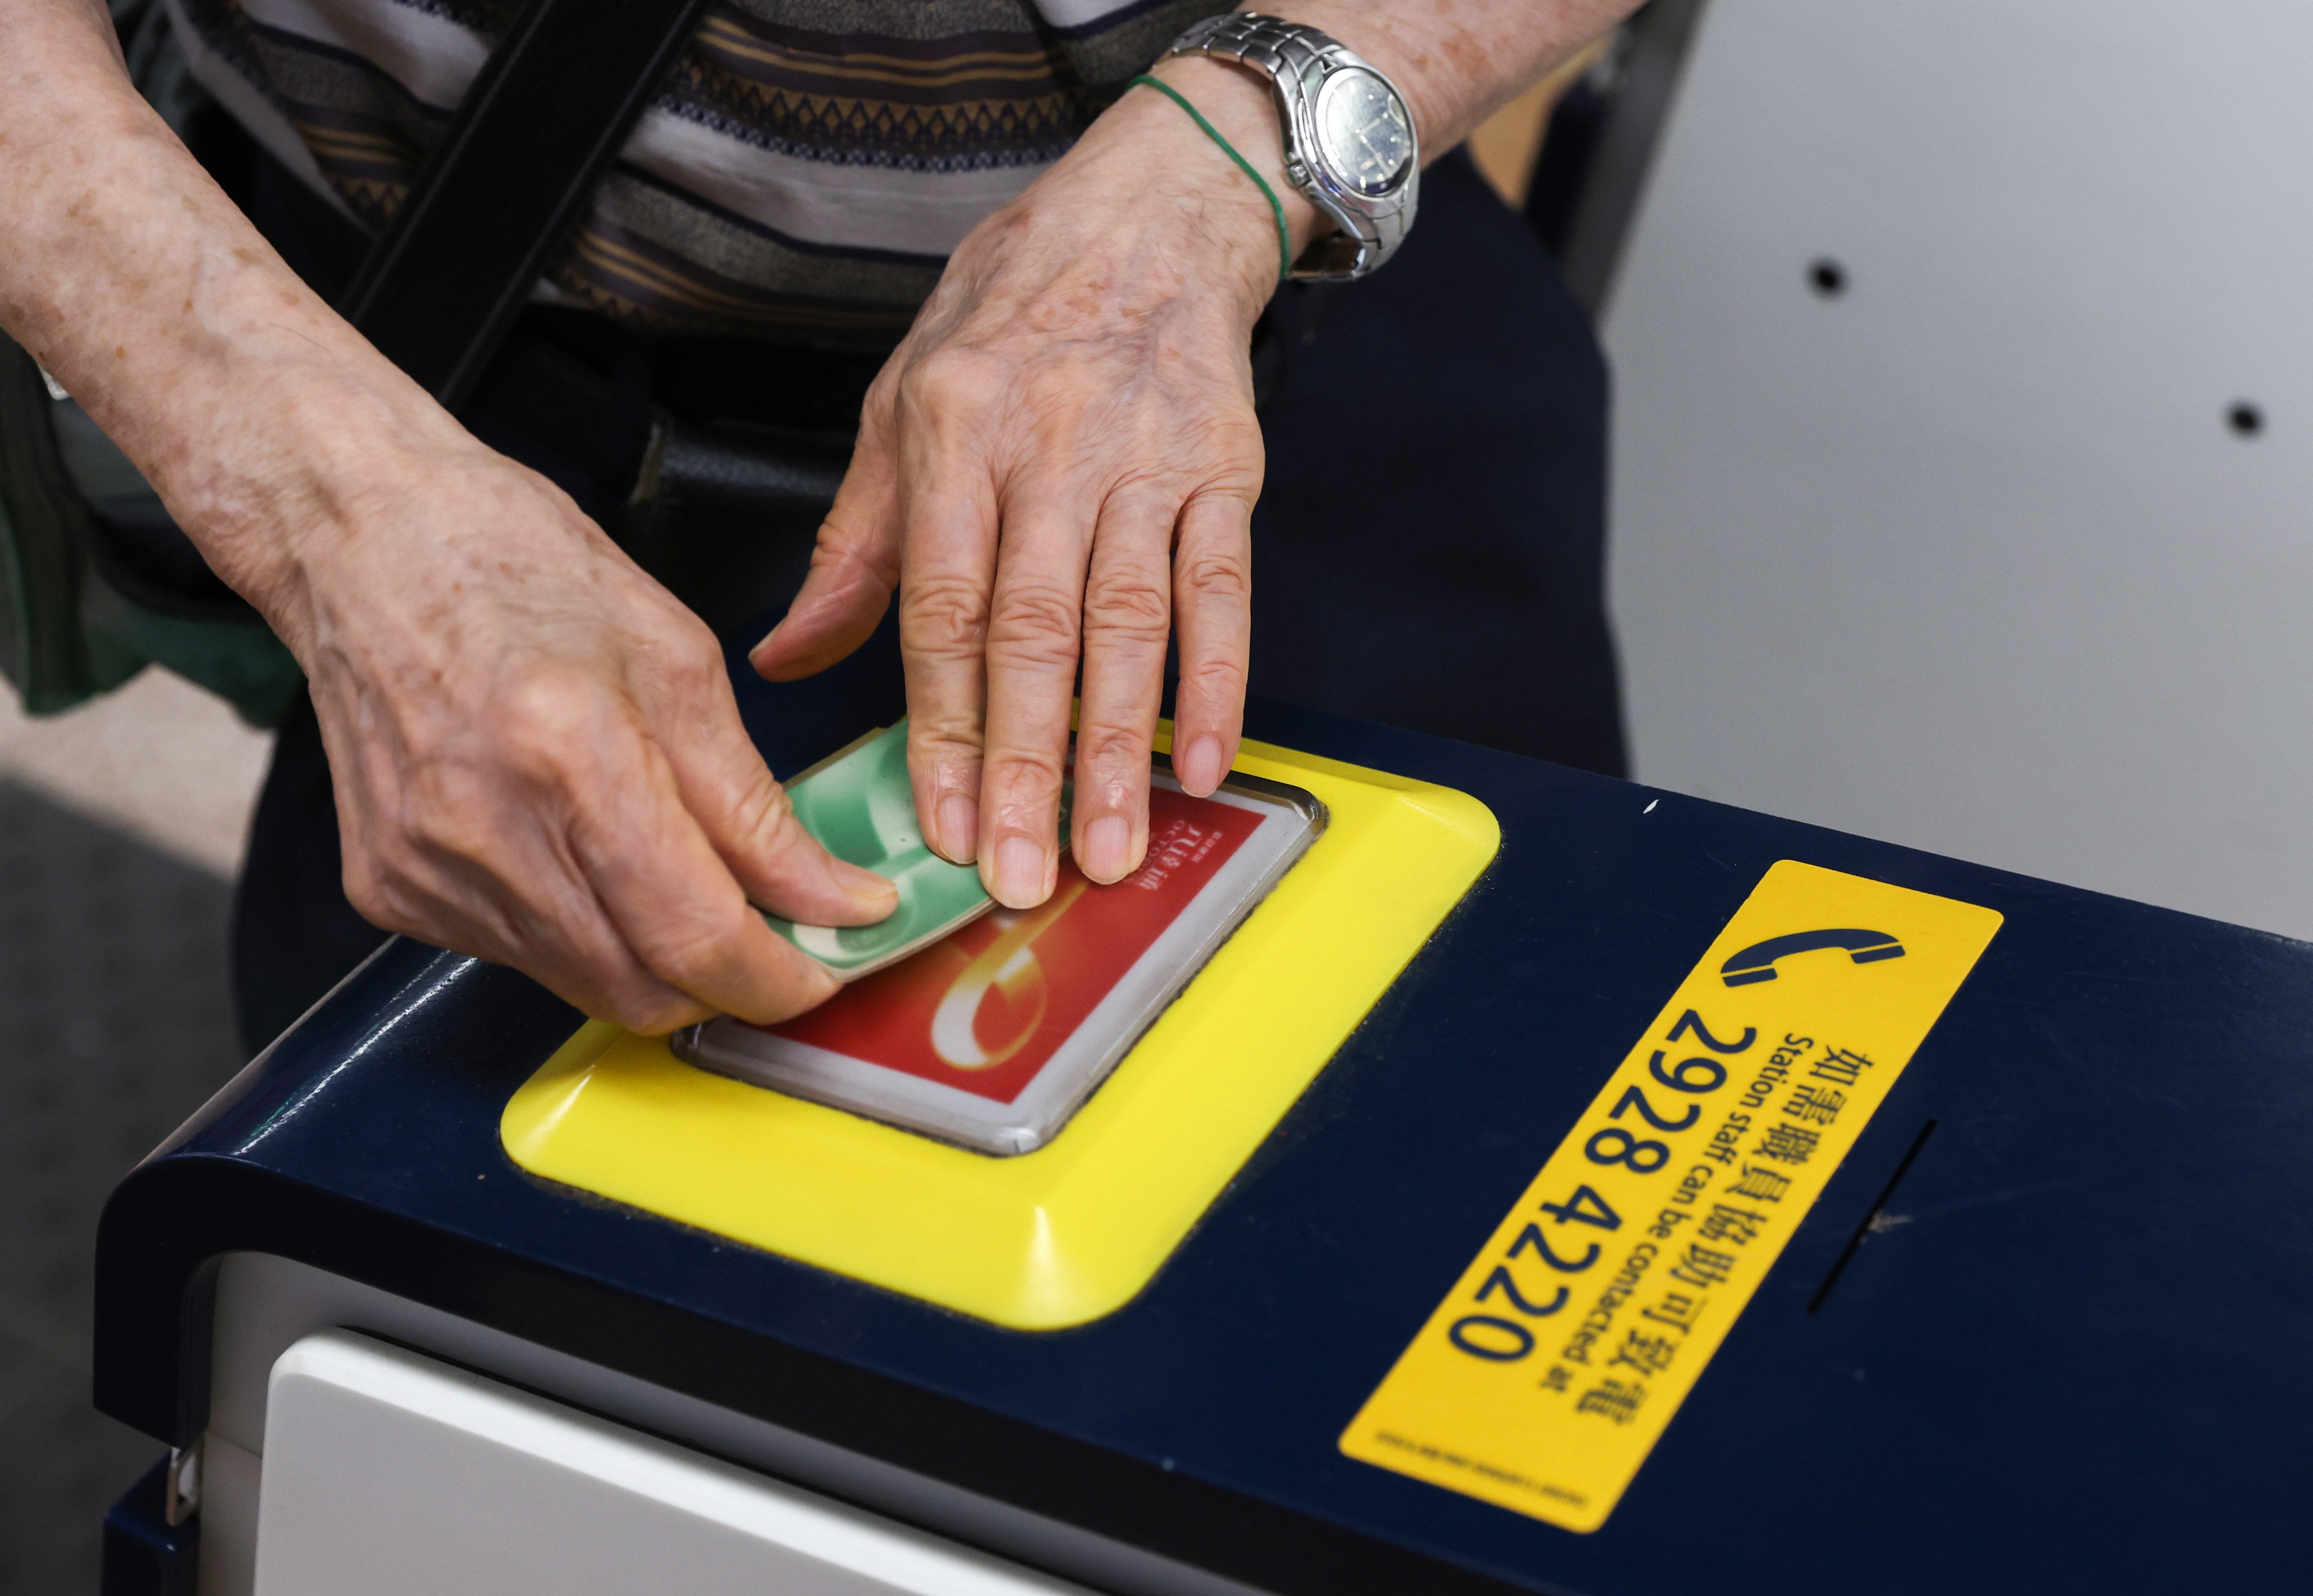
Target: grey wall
x=1969, y=556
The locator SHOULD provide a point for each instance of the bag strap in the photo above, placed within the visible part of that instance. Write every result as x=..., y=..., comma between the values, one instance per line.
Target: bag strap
x=440, y=289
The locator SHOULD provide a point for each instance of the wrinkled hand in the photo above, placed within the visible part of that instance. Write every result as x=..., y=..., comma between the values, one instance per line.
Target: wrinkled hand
x=1060, y=464
x=537, y=753
x=537, y=756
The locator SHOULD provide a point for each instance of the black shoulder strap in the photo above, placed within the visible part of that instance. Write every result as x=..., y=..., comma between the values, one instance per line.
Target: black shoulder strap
x=441, y=288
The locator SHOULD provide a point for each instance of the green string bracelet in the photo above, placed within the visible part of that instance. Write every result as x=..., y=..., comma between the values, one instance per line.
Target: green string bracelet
x=1277, y=209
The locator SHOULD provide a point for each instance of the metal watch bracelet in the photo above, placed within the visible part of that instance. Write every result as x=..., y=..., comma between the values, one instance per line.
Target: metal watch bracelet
x=1297, y=60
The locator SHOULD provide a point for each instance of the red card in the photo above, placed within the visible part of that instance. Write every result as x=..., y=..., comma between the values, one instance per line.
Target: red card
x=986, y=1009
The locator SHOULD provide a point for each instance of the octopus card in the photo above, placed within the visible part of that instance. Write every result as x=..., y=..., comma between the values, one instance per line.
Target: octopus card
x=859, y=805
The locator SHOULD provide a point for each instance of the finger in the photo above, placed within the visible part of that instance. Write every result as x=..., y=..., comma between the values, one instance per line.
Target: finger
x=671, y=898
x=588, y=965
x=854, y=565
x=446, y=860
x=1212, y=598
x=1127, y=614
x=1035, y=629
x=752, y=828
x=948, y=510
x=689, y=712
x=549, y=924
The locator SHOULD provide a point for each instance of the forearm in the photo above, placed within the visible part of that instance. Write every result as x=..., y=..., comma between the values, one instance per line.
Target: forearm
x=129, y=273
x=1457, y=61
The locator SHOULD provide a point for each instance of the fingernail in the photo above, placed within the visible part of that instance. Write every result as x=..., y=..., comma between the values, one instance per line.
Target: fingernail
x=761, y=656
x=865, y=885
x=959, y=823
x=821, y=987
x=1201, y=769
x=1107, y=847
x=1019, y=873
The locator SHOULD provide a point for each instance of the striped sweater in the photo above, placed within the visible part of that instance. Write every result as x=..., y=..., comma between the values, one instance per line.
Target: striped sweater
x=805, y=170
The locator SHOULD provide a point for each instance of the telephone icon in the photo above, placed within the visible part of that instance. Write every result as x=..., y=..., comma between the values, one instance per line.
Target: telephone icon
x=1756, y=963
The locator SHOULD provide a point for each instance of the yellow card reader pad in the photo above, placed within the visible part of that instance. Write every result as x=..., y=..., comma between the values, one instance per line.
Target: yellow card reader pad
x=1075, y=1230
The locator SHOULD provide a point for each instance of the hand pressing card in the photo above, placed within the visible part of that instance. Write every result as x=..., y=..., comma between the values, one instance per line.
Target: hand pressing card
x=993, y=1035
x=859, y=805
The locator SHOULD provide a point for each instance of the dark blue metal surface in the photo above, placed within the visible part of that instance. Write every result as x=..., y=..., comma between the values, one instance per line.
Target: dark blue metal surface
x=2080, y=1364
x=144, y=1555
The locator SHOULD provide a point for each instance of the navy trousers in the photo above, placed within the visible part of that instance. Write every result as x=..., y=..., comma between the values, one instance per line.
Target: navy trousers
x=1428, y=552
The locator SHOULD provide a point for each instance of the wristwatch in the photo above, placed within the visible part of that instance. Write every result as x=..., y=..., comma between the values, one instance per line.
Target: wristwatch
x=1349, y=143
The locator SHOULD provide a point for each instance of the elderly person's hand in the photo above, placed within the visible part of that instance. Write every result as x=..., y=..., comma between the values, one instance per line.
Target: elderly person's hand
x=1062, y=458
x=535, y=748
x=536, y=752
x=1060, y=464
x=537, y=758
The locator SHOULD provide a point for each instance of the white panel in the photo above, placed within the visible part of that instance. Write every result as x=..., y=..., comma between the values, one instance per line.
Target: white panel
x=265, y=1305
x=387, y=1472
x=1968, y=557
x=230, y=1477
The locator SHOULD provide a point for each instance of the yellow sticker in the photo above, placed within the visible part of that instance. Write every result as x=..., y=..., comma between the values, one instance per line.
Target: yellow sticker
x=1547, y=1376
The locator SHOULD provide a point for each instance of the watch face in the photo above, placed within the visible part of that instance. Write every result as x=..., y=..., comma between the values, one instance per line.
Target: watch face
x=1362, y=131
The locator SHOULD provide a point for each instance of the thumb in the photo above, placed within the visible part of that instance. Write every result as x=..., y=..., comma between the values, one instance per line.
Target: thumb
x=854, y=570
x=752, y=825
